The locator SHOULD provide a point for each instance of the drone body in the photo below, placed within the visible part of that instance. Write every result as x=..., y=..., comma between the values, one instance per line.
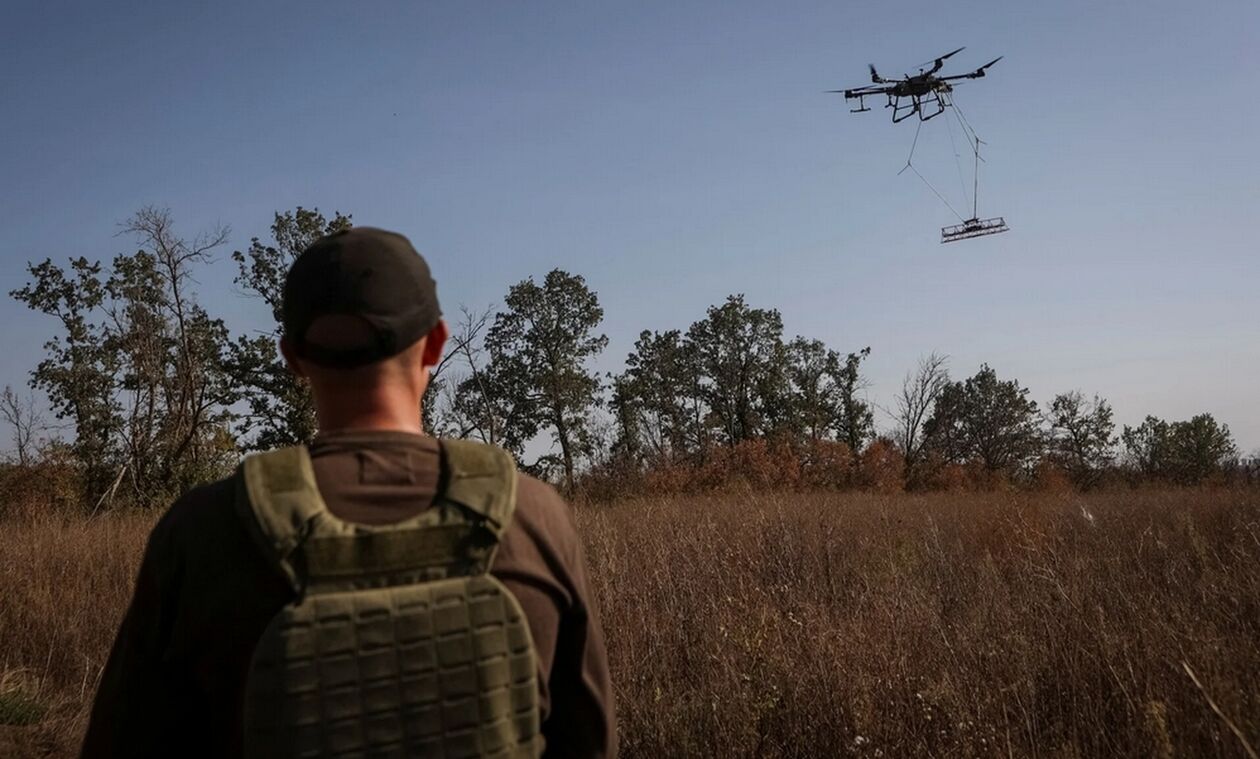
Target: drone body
x=927, y=93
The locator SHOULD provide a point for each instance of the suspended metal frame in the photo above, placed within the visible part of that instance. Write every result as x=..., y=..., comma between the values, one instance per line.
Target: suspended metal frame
x=973, y=228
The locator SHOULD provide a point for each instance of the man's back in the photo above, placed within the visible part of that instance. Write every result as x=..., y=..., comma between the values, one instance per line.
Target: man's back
x=175, y=680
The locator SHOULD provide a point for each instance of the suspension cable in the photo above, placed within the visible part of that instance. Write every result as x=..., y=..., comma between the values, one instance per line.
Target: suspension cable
x=975, y=146
x=953, y=146
x=910, y=165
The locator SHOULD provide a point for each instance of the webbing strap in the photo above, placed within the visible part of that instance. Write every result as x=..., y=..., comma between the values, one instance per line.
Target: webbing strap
x=373, y=553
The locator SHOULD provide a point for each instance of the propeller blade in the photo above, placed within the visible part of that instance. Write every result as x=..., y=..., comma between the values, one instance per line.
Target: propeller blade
x=938, y=62
x=990, y=63
x=875, y=77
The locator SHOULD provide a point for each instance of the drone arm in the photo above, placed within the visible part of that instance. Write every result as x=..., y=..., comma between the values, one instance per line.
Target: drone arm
x=862, y=91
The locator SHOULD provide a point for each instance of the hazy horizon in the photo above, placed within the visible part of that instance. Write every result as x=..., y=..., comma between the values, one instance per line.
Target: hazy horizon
x=673, y=154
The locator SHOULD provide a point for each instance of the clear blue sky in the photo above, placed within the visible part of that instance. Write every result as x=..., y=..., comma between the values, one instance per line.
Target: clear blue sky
x=676, y=152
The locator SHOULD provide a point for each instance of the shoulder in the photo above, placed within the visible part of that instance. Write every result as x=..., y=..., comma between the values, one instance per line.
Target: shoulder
x=204, y=513
x=541, y=546
x=542, y=510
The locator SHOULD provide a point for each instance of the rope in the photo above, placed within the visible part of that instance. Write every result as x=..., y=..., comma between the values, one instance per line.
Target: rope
x=975, y=146
x=913, y=145
x=962, y=185
x=942, y=197
x=910, y=166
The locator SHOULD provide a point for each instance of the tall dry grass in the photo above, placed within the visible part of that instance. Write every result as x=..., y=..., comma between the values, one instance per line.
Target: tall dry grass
x=1049, y=625
x=984, y=625
x=64, y=585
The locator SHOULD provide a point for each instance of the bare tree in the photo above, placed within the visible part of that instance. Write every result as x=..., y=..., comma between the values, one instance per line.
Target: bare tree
x=919, y=392
x=21, y=415
x=441, y=406
x=191, y=388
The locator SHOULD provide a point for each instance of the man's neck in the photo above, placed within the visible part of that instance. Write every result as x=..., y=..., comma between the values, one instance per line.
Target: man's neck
x=391, y=417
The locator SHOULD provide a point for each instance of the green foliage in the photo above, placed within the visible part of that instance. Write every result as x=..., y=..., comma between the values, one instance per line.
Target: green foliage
x=731, y=379
x=1149, y=446
x=986, y=420
x=1201, y=447
x=1082, y=436
x=854, y=418
x=159, y=397
x=281, y=411
x=138, y=368
x=741, y=357
x=1186, y=453
x=824, y=394
x=657, y=400
x=539, y=348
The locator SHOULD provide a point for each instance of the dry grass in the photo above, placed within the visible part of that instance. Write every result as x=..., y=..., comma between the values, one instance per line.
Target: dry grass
x=65, y=583
x=1048, y=625
x=985, y=625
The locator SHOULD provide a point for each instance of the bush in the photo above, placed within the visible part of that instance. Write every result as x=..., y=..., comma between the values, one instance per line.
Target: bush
x=882, y=468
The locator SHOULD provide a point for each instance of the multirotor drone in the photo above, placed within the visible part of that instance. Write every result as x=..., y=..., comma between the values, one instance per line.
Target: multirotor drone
x=928, y=93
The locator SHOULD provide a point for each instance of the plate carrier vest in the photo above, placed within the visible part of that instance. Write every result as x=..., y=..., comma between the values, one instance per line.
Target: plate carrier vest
x=399, y=642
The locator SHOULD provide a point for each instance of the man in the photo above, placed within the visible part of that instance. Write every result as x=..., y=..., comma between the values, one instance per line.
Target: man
x=362, y=325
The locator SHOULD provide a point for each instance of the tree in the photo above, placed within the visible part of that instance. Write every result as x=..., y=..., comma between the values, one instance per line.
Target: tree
x=919, y=392
x=987, y=420
x=539, y=348
x=824, y=391
x=656, y=400
x=458, y=405
x=854, y=420
x=20, y=414
x=740, y=358
x=1082, y=436
x=1201, y=447
x=78, y=370
x=812, y=370
x=281, y=411
x=1149, y=447
x=1186, y=453
x=138, y=370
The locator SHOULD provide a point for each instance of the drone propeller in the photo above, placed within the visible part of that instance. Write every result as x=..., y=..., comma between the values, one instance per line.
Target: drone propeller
x=938, y=62
x=875, y=77
x=990, y=63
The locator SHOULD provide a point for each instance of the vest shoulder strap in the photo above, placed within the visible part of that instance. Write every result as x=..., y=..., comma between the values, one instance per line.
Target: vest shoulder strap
x=482, y=478
x=279, y=499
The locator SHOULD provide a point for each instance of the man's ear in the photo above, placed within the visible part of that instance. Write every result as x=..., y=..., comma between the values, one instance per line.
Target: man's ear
x=290, y=357
x=435, y=343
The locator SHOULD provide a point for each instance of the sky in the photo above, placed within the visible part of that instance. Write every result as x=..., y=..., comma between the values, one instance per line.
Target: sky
x=674, y=153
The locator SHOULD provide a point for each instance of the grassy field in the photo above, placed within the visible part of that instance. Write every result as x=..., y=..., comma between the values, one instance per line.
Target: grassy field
x=1053, y=625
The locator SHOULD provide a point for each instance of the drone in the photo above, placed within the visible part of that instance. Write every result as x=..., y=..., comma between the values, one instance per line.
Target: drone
x=927, y=93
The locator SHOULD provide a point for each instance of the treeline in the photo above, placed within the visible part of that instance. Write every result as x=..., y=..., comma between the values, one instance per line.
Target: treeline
x=154, y=394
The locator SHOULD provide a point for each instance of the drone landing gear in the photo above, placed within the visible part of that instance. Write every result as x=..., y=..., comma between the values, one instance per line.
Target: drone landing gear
x=974, y=228
x=862, y=107
x=927, y=108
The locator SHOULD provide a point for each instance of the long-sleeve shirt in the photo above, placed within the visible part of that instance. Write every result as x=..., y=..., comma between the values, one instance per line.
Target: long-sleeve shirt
x=174, y=683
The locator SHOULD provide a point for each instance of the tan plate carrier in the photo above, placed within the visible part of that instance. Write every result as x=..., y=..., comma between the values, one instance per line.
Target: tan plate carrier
x=399, y=642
